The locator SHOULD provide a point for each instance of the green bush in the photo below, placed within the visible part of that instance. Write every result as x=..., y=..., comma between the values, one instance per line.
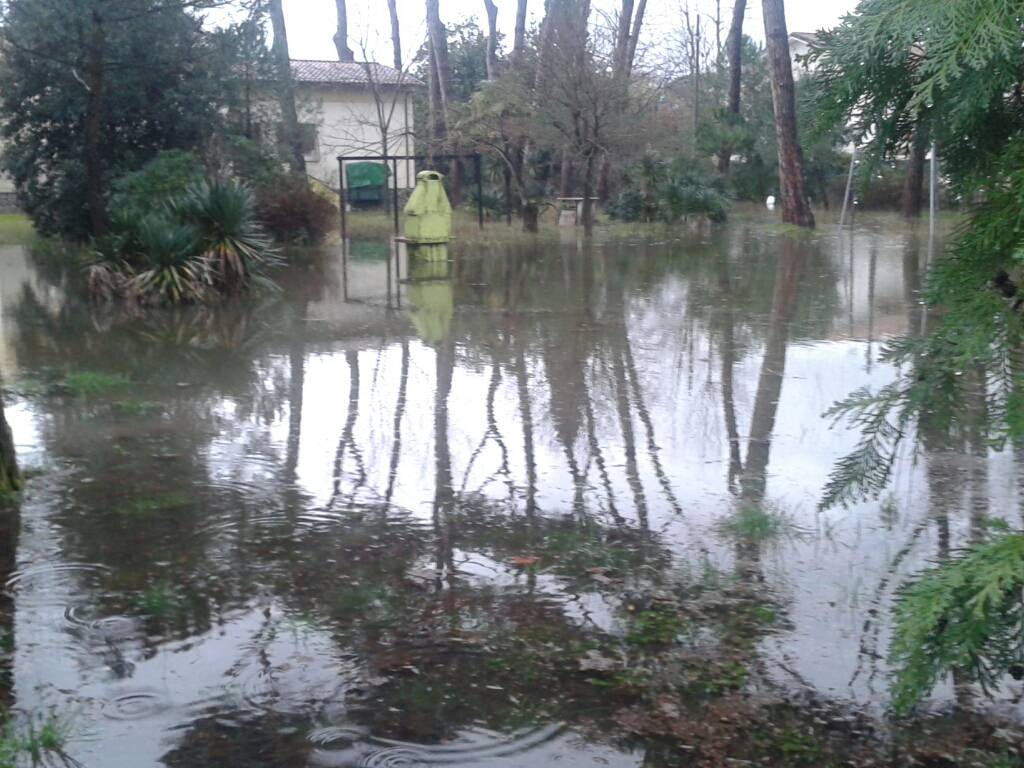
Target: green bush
x=167, y=176
x=257, y=164
x=668, y=191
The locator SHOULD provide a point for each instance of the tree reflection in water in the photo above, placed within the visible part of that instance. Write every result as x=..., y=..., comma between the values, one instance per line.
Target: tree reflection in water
x=330, y=530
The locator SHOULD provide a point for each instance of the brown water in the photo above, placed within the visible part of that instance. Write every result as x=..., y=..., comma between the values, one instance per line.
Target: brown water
x=490, y=515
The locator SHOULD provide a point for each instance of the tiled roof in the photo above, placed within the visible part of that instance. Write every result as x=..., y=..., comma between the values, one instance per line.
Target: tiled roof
x=349, y=73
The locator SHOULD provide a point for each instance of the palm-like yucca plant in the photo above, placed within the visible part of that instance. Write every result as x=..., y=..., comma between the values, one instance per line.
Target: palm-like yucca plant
x=231, y=238
x=175, y=270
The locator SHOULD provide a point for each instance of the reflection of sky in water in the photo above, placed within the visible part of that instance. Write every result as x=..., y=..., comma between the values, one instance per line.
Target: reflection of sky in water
x=300, y=468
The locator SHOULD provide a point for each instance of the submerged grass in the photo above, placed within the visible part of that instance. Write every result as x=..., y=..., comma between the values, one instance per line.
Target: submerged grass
x=16, y=229
x=30, y=741
x=136, y=408
x=159, y=601
x=93, y=383
x=758, y=522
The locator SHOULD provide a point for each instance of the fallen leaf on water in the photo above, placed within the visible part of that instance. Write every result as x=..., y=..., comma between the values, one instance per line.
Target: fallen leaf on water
x=524, y=561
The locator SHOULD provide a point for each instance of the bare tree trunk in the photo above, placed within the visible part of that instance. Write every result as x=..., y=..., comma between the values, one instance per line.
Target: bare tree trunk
x=10, y=477
x=913, y=184
x=622, y=37
x=795, y=209
x=492, y=39
x=94, y=129
x=735, y=53
x=396, y=37
x=718, y=30
x=565, y=173
x=435, y=119
x=696, y=81
x=438, y=37
x=520, y=35
x=286, y=90
x=634, y=37
x=341, y=36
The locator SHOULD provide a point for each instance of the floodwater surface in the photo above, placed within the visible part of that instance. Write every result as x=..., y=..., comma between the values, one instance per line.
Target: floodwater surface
x=546, y=505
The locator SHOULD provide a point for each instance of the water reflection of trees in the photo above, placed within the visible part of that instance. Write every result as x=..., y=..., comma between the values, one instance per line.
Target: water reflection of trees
x=443, y=595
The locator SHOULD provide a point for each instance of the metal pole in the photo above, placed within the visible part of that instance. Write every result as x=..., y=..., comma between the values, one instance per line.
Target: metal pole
x=479, y=189
x=849, y=184
x=933, y=206
x=341, y=199
x=933, y=201
x=394, y=194
x=394, y=240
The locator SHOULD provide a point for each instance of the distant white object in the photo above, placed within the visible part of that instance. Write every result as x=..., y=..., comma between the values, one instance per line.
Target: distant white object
x=770, y=203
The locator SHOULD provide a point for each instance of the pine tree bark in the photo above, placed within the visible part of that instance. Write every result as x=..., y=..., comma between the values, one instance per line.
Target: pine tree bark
x=795, y=208
x=10, y=477
x=396, y=36
x=341, y=36
x=913, y=183
x=634, y=36
x=440, y=90
x=622, y=36
x=492, y=39
x=519, y=41
x=286, y=90
x=734, y=50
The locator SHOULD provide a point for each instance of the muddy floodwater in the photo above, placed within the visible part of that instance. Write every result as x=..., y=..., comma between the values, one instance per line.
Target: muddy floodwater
x=505, y=506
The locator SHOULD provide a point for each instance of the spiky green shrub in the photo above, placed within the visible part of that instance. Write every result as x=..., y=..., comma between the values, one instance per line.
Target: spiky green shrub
x=175, y=269
x=232, y=240
x=966, y=616
x=200, y=245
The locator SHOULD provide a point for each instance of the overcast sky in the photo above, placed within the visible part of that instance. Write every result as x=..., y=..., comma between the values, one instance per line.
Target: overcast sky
x=311, y=23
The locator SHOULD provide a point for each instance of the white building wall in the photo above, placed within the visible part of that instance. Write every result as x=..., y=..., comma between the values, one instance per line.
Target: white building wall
x=347, y=124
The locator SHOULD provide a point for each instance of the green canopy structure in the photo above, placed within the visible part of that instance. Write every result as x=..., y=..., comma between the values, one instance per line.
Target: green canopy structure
x=366, y=183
